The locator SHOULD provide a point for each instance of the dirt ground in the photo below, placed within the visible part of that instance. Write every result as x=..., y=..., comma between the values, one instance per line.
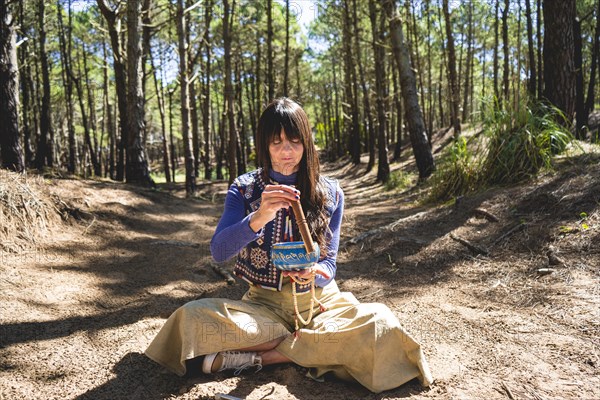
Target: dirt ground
x=80, y=303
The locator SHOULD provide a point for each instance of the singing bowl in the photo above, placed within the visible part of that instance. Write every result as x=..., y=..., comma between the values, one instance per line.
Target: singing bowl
x=292, y=256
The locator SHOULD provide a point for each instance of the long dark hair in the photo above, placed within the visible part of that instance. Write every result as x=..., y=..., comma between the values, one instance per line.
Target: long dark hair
x=284, y=113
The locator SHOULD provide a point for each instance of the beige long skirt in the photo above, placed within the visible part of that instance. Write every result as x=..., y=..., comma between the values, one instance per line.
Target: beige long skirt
x=360, y=341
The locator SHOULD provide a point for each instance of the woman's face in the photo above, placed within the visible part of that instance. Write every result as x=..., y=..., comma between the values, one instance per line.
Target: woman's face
x=285, y=154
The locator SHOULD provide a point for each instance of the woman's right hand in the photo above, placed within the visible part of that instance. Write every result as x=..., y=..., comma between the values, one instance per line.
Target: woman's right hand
x=273, y=199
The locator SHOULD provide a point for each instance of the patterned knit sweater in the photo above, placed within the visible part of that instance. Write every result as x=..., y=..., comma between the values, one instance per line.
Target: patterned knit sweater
x=234, y=235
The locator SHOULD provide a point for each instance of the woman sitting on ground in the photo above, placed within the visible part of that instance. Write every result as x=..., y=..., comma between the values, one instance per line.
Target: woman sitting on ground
x=352, y=340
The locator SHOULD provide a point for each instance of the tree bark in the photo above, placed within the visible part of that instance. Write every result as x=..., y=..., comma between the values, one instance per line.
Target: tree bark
x=173, y=150
x=378, y=35
x=113, y=18
x=93, y=142
x=454, y=89
x=496, y=44
x=581, y=119
x=351, y=89
x=65, y=41
x=430, y=113
x=45, y=148
x=469, y=65
x=399, y=113
x=110, y=124
x=243, y=146
x=137, y=166
x=84, y=116
x=270, y=75
x=286, y=63
x=184, y=86
x=339, y=150
x=505, y=68
x=26, y=91
x=206, y=111
x=559, y=65
x=532, y=84
x=10, y=145
x=161, y=109
x=228, y=12
x=540, y=73
x=414, y=116
x=589, y=102
x=365, y=92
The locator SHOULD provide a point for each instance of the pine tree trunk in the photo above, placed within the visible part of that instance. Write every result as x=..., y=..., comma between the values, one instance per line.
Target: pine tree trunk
x=228, y=13
x=338, y=136
x=190, y=175
x=84, y=116
x=161, y=109
x=91, y=104
x=10, y=145
x=26, y=90
x=414, y=116
x=137, y=166
x=532, y=84
x=468, y=67
x=505, y=68
x=270, y=74
x=430, y=112
x=399, y=113
x=581, y=119
x=299, y=94
x=454, y=89
x=286, y=64
x=195, y=122
x=418, y=64
x=496, y=66
x=351, y=89
x=109, y=118
x=206, y=111
x=120, y=83
x=173, y=149
x=220, y=149
x=589, y=102
x=378, y=37
x=242, y=143
x=65, y=51
x=540, y=72
x=365, y=92
x=559, y=66
x=45, y=148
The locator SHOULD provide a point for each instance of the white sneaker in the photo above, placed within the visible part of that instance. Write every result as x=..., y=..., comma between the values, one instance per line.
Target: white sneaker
x=238, y=360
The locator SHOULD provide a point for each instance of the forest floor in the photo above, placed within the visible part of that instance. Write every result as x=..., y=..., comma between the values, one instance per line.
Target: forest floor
x=80, y=303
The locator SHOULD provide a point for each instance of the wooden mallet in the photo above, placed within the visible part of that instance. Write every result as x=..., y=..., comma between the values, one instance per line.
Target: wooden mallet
x=303, y=227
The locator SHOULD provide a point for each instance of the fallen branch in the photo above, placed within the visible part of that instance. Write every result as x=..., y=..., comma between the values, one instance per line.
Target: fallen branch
x=514, y=229
x=390, y=228
x=224, y=273
x=508, y=392
x=485, y=214
x=474, y=248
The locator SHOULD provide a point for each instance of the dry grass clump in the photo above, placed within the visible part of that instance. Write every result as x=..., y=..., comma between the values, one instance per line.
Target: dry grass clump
x=27, y=211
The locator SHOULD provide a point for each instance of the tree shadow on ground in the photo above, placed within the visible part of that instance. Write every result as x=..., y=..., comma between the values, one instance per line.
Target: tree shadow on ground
x=415, y=254
x=137, y=377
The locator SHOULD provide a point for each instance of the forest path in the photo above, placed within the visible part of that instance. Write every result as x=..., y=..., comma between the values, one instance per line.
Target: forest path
x=80, y=306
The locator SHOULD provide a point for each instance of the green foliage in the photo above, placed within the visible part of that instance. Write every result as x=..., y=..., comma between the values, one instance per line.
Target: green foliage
x=399, y=180
x=457, y=173
x=517, y=144
x=521, y=142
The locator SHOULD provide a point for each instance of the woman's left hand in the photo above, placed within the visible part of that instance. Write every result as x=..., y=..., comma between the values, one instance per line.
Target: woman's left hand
x=306, y=273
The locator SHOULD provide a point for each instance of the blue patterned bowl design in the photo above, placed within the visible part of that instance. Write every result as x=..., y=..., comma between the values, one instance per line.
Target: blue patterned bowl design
x=292, y=256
